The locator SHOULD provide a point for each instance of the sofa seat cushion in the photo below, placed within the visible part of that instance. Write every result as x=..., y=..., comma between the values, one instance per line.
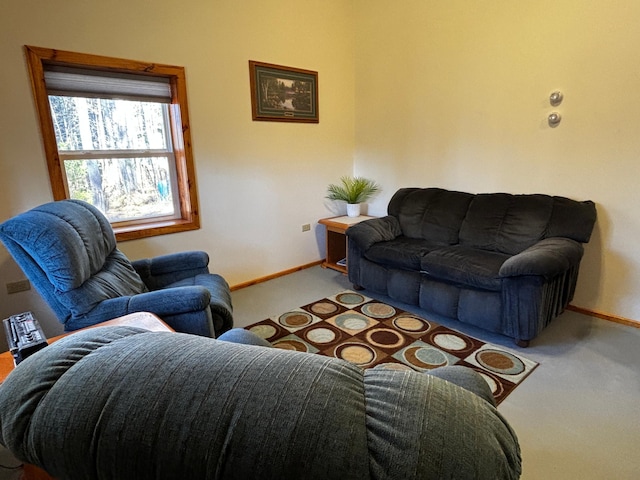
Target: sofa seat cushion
x=465, y=266
x=402, y=252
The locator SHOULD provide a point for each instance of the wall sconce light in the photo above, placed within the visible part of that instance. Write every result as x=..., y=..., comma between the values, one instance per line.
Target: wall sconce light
x=555, y=98
x=554, y=119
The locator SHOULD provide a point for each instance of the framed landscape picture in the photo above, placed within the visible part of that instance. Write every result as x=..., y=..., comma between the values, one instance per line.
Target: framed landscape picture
x=283, y=94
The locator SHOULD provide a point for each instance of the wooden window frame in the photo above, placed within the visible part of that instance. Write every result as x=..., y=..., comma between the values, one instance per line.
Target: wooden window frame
x=189, y=218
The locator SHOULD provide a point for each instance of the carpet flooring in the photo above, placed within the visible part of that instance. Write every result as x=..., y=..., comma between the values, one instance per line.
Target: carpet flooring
x=369, y=333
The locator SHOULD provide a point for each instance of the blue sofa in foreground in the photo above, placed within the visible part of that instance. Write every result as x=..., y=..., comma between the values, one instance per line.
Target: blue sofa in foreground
x=124, y=403
x=506, y=263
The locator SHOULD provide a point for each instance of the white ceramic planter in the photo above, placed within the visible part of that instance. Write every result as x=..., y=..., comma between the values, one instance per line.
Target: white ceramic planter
x=353, y=209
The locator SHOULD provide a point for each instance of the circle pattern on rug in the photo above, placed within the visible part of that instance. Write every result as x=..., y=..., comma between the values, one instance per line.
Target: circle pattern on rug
x=357, y=353
x=367, y=338
x=411, y=324
x=378, y=310
x=500, y=362
x=384, y=338
x=295, y=319
x=321, y=335
x=290, y=344
x=352, y=321
x=425, y=357
x=324, y=308
x=264, y=331
x=496, y=386
x=450, y=341
x=350, y=298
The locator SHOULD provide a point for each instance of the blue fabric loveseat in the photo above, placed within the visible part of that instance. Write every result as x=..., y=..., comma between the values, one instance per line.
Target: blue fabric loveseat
x=122, y=403
x=506, y=263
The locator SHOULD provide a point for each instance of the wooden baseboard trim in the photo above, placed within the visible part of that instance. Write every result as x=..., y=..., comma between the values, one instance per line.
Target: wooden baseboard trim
x=274, y=275
x=605, y=316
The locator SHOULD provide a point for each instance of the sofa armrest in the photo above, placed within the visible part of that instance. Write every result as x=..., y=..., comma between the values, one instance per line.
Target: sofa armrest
x=366, y=233
x=157, y=272
x=548, y=257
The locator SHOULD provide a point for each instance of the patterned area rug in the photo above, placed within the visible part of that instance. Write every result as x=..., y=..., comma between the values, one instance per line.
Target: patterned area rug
x=368, y=333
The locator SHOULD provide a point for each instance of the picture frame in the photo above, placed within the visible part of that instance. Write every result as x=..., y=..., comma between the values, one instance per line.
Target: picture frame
x=283, y=94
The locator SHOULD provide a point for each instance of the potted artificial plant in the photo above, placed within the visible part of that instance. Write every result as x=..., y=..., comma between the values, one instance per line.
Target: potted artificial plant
x=353, y=191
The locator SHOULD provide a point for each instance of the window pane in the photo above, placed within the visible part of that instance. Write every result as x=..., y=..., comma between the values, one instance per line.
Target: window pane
x=123, y=188
x=84, y=124
x=139, y=131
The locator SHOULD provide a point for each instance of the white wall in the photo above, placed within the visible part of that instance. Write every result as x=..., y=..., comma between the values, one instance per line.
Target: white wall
x=258, y=181
x=455, y=94
x=451, y=94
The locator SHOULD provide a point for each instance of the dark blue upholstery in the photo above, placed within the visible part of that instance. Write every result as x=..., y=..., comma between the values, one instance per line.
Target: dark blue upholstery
x=506, y=263
x=68, y=251
x=122, y=403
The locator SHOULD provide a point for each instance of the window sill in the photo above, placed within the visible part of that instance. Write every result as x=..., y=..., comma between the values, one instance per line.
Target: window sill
x=133, y=232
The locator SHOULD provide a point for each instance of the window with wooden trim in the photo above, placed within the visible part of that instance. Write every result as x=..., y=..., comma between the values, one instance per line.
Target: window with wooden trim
x=116, y=134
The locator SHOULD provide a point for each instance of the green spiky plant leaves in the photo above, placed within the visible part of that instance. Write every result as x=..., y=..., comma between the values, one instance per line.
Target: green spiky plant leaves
x=353, y=190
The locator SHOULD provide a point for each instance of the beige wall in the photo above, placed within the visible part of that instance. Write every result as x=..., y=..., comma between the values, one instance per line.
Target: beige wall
x=416, y=92
x=258, y=181
x=455, y=94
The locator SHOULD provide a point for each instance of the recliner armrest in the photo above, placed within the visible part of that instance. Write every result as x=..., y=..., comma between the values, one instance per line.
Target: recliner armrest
x=157, y=272
x=164, y=303
x=369, y=232
x=171, y=301
x=549, y=257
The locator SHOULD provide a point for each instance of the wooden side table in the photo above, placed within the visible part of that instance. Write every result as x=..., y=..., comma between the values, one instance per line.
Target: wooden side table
x=145, y=320
x=337, y=246
x=140, y=319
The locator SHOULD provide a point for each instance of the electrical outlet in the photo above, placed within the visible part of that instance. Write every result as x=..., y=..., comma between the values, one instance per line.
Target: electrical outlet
x=19, y=286
x=306, y=227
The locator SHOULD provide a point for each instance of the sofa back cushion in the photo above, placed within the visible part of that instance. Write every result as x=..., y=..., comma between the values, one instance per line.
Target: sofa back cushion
x=67, y=239
x=499, y=222
x=68, y=249
x=506, y=223
x=572, y=219
x=432, y=214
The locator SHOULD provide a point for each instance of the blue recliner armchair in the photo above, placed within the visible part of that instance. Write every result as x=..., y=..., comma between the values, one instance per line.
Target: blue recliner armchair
x=68, y=251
